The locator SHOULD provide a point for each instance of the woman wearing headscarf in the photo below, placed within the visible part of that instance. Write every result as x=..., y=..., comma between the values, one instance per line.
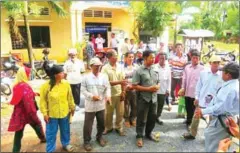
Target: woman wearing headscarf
x=25, y=109
x=57, y=105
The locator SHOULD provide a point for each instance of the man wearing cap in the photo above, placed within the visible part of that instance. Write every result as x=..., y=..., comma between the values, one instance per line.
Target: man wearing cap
x=96, y=89
x=210, y=80
x=224, y=104
x=116, y=76
x=190, y=78
x=73, y=68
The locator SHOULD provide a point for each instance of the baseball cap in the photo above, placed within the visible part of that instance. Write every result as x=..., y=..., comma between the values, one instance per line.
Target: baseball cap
x=215, y=58
x=231, y=67
x=95, y=61
x=140, y=51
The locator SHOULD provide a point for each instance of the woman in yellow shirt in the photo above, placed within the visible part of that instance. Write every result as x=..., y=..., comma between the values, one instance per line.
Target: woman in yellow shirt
x=56, y=105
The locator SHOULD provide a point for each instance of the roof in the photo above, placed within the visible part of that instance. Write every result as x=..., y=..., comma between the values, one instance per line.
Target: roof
x=195, y=33
x=82, y=5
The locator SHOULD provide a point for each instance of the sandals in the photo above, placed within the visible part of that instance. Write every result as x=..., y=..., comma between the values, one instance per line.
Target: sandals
x=87, y=147
x=121, y=132
x=69, y=148
x=107, y=131
x=102, y=142
x=127, y=124
x=188, y=136
x=139, y=142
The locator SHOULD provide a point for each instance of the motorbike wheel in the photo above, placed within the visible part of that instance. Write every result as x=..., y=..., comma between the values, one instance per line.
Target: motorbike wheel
x=5, y=89
x=205, y=59
x=10, y=73
x=41, y=74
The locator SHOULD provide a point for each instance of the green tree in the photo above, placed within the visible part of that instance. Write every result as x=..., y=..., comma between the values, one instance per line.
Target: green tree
x=23, y=9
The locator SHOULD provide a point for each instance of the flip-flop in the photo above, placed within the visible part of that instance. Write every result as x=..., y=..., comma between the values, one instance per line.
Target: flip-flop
x=139, y=142
x=69, y=148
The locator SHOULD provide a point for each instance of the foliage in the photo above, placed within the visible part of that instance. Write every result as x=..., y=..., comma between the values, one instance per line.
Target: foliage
x=216, y=16
x=80, y=46
x=152, y=16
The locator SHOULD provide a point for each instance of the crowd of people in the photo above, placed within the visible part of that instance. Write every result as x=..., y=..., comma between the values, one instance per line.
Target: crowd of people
x=136, y=87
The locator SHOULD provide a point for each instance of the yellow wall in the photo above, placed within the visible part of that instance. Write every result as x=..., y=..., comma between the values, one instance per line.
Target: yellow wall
x=60, y=35
x=60, y=31
x=120, y=20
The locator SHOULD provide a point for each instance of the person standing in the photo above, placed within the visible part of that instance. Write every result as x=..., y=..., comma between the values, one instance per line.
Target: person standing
x=25, y=109
x=139, y=58
x=125, y=46
x=73, y=68
x=222, y=106
x=90, y=52
x=57, y=105
x=130, y=102
x=141, y=46
x=116, y=78
x=132, y=46
x=114, y=42
x=191, y=75
x=177, y=63
x=210, y=80
x=164, y=79
x=161, y=50
x=99, y=41
x=96, y=89
x=93, y=39
x=145, y=81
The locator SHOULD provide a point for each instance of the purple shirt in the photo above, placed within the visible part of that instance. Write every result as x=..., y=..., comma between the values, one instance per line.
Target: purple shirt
x=191, y=74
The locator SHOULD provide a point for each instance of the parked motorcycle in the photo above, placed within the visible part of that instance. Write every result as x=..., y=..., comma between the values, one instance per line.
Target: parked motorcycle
x=209, y=54
x=227, y=56
x=5, y=84
x=11, y=67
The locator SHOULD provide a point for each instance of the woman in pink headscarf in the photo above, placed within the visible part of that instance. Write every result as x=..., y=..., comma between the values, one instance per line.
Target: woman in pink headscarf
x=25, y=109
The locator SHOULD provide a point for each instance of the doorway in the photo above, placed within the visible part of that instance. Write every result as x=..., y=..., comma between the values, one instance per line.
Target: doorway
x=98, y=28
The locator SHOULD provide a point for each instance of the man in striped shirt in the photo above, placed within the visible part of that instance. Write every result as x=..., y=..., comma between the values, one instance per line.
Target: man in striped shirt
x=178, y=61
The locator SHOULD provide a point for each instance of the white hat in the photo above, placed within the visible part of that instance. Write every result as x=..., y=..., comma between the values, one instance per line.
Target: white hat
x=215, y=58
x=95, y=61
x=72, y=51
x=140, y=50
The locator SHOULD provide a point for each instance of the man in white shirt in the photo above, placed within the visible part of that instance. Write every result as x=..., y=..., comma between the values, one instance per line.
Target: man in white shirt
x=114, y=42
x=73, y=68
x=96, y=89
x=164, y=79
x=99, y=41
x=124, y=48
x=132, y=46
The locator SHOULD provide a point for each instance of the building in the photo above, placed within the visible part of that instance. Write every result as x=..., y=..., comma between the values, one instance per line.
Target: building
x=48, y=30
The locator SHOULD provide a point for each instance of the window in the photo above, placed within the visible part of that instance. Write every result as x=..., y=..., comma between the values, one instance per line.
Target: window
x=107, y=14
x=98, y=13
x=88, y=13
x=40, y=37
x=43, y=11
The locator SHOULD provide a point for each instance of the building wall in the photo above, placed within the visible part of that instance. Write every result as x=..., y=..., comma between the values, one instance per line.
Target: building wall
x=60, y=35
x=120, y=20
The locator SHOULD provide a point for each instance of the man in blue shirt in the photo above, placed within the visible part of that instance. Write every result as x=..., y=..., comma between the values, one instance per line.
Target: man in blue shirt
x=226, y=103
x=209, y=82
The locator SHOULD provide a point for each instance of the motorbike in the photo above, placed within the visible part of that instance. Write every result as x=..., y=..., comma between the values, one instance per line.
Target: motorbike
x=11, y=67
x=209, y=54
x=5, y=84
x=227, y=56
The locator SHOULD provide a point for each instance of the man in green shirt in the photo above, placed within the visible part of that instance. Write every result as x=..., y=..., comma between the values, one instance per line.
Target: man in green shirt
x=145, y=81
